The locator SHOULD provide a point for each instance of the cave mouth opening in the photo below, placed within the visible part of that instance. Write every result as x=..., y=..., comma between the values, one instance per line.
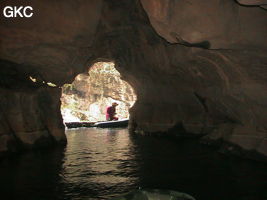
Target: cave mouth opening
x=87, y=98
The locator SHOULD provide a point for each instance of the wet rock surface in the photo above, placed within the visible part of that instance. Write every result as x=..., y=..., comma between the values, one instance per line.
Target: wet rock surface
x=210, y=80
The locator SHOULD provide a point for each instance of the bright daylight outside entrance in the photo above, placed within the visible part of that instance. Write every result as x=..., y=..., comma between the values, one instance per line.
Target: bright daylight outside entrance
x=88, y=97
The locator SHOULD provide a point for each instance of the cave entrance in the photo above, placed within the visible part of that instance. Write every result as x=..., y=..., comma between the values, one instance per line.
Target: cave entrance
x=87, y=98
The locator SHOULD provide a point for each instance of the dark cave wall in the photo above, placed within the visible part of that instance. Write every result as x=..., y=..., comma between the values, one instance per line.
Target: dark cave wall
x=30, y=118
x=217, y=24
x=215, y=89
x=30, y=112
x=216, y=93
x=53, y=44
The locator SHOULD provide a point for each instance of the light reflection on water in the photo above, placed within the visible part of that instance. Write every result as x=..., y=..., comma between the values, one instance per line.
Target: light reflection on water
x=98, y=158
x=103, y=163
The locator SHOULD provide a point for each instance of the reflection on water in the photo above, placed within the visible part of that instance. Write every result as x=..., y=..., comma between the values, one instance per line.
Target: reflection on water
x=102, y=163
x=96, y=159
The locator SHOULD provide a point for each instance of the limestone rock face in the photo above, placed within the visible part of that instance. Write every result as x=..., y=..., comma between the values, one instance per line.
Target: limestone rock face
x=30, y=116
x=53, y=43
x=253, y=2
x=30, y=119
x=217, y=24
x=187, y=85
x=197, y=65
x=88, y=97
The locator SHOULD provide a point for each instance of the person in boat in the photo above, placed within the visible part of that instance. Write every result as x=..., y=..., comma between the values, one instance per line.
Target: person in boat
x=111, y=112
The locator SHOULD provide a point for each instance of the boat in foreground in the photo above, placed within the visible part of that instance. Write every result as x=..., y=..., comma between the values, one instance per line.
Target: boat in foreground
x=155, y=194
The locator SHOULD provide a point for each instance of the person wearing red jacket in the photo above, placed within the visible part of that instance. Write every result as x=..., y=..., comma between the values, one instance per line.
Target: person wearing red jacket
x=111, y=112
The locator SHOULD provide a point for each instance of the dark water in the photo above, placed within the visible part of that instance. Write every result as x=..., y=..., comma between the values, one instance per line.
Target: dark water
x=102, y=163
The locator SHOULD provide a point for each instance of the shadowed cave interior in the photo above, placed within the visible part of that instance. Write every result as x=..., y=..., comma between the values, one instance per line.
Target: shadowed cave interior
x=198, y=69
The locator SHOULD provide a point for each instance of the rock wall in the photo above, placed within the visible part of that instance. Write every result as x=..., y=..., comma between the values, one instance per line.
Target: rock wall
x=196, y=66
x=210, y=85
x=30, y=116
x=217, y=24
x=87, y=98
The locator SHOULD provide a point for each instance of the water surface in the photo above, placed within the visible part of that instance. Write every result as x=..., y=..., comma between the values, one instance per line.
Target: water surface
x=103, y=163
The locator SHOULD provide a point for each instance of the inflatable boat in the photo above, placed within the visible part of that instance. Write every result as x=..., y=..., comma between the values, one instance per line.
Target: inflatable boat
x=112, y=124
x=103, y=124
